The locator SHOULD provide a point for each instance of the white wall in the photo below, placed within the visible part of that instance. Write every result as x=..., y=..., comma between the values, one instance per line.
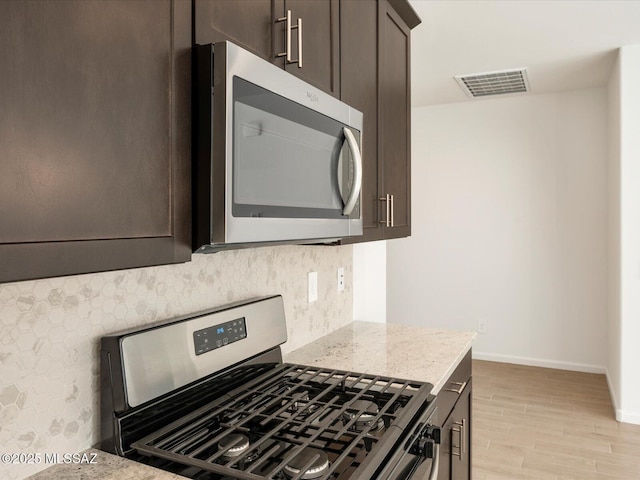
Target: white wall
x=510, y=226
x=615, y=359
x=629, y=401
x=370, y=282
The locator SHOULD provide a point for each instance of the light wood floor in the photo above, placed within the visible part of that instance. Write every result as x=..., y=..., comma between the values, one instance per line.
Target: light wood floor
x=541, y=424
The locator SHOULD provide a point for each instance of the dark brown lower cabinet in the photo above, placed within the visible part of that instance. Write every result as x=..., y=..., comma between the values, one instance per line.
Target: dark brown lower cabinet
x=454, y=414
x=95, y=136
x=456, y=449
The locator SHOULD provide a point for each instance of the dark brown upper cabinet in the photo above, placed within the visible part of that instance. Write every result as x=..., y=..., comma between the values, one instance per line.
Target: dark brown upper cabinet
x=359, y=88
x=95, y=134
x=319, y=38
x=394, y=122
x=247, y=23
x=375, y=78
x=275, y=30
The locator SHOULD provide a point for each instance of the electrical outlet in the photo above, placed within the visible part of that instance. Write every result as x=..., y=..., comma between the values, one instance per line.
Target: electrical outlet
x=482, y=326
x=341, y=279
x=312, y=294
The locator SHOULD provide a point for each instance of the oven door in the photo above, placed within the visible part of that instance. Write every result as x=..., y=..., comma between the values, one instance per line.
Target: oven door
x=419, y=456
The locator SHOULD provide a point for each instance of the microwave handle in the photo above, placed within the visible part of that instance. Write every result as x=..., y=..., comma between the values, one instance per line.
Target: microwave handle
x=357, y=172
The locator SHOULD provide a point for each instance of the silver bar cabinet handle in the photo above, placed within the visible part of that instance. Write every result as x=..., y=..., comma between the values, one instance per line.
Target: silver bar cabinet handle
x=392, y=210
x=387, y=221
x=299, y=27
x=289, y=27
x=458, y=390
x=287, y=51
x=462, y=447
x=463, y=427
x=459, y=432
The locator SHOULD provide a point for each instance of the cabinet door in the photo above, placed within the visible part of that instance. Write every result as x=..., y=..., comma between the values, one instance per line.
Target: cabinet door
x=455, y=453
x=359, y=88
x=375, y=78
x=394, y=116
x=320, y=41
x=94, y=136
x=252, y=24
x=461, y=437
x=247, y=23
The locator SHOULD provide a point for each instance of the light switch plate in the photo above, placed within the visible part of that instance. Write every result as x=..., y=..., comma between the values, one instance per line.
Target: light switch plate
x=313, y=287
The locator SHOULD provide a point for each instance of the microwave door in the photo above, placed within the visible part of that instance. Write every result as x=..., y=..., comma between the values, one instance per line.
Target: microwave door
x=288, y=167
x=283, y=169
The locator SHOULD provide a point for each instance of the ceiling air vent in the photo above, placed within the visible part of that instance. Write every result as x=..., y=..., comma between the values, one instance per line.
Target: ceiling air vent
x=494, y=83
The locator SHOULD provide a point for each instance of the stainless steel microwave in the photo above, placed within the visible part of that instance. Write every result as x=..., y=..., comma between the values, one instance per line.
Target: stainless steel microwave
x=275, y=159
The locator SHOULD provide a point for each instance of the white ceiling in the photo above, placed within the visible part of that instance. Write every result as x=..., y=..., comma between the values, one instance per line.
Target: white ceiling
x=565, y=45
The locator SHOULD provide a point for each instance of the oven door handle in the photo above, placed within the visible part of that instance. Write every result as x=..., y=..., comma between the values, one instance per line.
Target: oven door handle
x=416, y=472
x=357, y=172
x=435, y=465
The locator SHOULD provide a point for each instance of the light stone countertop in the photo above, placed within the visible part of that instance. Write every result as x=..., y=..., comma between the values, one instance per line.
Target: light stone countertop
x=105, y=467
x=400, y=351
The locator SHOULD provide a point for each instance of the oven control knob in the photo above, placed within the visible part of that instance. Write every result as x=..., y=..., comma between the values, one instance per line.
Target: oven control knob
x=433, y=433
x=423, y=447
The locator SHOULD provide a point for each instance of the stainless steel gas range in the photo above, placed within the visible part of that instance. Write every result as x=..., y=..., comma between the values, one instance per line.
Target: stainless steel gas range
x=207, y=396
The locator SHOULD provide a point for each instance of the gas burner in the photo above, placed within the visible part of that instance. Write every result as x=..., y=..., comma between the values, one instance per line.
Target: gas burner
x=316, y=470
x=364, y=419
x=301, y=405
x=234, y=445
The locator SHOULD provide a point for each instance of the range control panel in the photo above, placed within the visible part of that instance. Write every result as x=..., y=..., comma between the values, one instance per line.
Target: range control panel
x=218, y=336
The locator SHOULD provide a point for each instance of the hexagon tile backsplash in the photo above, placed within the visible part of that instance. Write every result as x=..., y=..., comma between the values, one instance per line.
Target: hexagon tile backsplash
x=50, y=331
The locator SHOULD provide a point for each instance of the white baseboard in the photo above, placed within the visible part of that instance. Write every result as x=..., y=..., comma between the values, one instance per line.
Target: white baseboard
x=626, y=417
x=614, y=398
x=621, y=415
x=534, y=362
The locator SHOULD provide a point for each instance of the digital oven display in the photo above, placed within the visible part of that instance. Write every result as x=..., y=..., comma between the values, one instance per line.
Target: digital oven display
x=218, y=336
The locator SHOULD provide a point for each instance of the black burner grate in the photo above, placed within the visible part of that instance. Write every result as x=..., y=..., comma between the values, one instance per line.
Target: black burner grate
x=289, y=410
